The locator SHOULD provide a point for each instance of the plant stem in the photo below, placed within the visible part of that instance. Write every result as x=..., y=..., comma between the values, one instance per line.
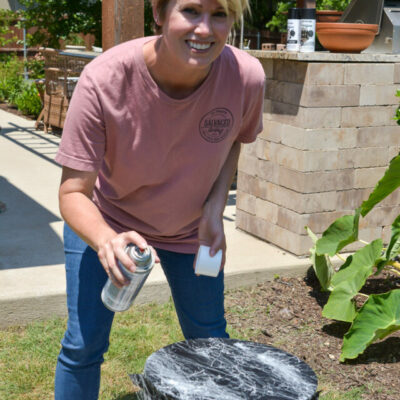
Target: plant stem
x=394, y=264
x=362, y=241
x=363, y=294
x=339, y=256
x=395, y=271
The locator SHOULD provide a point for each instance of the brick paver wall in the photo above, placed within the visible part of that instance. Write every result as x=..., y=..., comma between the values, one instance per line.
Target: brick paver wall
x=329, y=135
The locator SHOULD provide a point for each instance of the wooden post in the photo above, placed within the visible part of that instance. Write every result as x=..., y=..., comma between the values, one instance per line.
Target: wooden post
x=305, y=4
x=122, y=20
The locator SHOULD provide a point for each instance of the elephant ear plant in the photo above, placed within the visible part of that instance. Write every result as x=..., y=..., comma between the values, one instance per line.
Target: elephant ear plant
x=380, y=314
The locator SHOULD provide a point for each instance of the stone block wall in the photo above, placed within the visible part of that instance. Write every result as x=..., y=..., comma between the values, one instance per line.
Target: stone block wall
x=329, y=135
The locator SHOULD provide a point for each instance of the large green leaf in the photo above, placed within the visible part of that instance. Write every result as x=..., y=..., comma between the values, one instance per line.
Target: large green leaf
x=394, y=245
x=321, y=263
x=339, y=234
x=347, y=282
x=378, y=318
x=393, y=248
x=388, y=184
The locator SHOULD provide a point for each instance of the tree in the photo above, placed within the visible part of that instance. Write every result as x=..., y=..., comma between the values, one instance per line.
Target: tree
x=60, y=19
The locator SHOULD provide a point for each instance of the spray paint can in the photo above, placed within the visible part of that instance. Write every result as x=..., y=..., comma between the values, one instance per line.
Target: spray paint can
x=293, y=29
x=120, y=299
x=307, y=27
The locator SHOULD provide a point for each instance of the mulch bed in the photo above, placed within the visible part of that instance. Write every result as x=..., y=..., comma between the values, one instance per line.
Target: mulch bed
x=286, y=313
x=13, y=110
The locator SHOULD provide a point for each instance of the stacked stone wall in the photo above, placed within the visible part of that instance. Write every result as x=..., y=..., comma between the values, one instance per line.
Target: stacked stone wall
x=329, y=135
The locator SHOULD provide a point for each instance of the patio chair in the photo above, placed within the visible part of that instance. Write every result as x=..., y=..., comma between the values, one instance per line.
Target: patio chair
x=61, y=75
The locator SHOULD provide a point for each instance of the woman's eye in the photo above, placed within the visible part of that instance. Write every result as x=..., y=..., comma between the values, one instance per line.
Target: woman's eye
x=220, y=14
x=190, y=11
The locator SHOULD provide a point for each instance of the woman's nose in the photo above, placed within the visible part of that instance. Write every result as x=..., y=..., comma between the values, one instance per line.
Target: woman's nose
x=204, y=25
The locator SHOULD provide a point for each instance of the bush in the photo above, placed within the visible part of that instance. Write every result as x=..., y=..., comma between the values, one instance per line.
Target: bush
x=279, y=20
x=7, y=18
x=10, y=76
x=60, y=20
x=27, y=99
x=15, y=90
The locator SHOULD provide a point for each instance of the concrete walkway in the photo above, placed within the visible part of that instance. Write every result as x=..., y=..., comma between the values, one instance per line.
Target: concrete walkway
x=32, y=280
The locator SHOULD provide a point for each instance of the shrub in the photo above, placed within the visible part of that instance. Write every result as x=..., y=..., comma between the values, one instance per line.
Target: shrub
x=61, y=19
x=14, y=89
x=28, y=100
x=7, y=36
x=279, y=20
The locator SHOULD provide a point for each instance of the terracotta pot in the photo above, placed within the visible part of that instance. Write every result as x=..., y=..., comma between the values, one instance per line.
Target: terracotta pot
x=344, y=37
x=328, y=15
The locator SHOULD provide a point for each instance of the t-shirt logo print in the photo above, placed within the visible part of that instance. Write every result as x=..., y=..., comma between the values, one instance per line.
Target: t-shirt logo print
x=216, y=125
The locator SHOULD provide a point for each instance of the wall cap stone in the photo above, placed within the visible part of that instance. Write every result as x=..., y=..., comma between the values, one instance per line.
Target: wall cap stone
x=326, y=57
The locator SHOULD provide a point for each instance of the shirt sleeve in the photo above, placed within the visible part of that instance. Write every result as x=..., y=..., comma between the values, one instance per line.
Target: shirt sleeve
x=83, y=140
x=252, y=120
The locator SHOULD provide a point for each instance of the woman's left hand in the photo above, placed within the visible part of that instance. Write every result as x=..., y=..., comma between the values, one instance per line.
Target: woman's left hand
x=211, y=233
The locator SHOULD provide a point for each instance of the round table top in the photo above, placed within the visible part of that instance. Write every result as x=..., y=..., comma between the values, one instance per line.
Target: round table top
x=225, y=369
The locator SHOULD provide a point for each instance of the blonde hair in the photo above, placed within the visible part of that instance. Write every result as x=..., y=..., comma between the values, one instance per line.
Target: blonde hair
x=235, y=7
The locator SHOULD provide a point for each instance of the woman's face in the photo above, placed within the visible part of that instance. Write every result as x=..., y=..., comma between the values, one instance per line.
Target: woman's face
x=195, y=31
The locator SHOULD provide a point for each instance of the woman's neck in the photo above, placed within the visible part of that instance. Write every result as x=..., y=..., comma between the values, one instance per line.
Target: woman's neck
x=176, y=82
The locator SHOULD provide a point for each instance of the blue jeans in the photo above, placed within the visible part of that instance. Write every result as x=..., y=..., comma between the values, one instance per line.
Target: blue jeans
x=199, y=303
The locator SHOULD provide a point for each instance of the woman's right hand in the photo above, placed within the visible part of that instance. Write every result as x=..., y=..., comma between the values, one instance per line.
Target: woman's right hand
x=83, y=216
x=113, y=250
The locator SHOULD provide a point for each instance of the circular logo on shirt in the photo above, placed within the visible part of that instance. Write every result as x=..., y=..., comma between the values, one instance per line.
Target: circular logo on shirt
x=216, y=125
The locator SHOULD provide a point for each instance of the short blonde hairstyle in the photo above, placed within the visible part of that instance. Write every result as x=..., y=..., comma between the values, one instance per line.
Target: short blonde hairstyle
x=235, y=7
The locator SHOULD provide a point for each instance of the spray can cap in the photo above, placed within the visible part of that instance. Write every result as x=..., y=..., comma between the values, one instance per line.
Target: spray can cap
x=308, y=13
x=142, y=258
x=294, y=13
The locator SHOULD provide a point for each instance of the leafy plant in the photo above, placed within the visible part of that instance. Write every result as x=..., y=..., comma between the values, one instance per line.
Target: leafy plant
x=278, y=21
x=15, y=90
x=28, y=100
x=397, y=116
x=380, y=314
x=7, y=36
x=35, y=66
x=61, y=19
x=10, y=76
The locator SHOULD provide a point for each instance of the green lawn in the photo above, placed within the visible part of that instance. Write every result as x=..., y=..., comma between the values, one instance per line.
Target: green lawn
x=28, y=354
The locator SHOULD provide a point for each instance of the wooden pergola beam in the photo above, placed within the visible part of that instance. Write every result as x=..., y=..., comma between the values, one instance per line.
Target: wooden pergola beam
x=305, y=4
x=122, y=20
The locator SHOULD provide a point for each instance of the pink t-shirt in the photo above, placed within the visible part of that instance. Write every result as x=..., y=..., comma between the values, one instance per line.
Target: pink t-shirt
x=158, y=157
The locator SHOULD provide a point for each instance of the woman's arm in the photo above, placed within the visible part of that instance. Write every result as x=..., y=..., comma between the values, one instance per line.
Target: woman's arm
x=211, y=228
x=83, y=216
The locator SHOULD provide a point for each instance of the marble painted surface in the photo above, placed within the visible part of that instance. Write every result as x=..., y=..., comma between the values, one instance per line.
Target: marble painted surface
x=225, y=369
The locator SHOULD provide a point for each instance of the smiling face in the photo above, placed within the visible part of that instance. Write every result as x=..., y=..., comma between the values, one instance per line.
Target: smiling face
x=194, y=32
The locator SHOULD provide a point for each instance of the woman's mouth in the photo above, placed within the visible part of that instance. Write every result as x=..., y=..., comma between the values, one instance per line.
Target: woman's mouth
x=198, y=45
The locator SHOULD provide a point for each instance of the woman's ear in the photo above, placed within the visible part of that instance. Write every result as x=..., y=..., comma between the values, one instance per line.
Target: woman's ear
x=156, y=17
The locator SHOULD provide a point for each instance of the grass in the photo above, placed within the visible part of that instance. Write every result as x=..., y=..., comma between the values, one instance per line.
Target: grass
x=28, y=354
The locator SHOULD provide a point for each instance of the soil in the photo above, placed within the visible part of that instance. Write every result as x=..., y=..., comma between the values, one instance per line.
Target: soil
x=13, y=110
x=286, y=313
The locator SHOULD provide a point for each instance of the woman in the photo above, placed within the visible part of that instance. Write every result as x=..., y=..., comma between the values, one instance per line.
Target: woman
x=149, y=149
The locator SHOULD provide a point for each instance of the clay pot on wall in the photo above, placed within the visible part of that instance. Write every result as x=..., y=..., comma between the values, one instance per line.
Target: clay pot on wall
x=346, y=37
x=328, y=15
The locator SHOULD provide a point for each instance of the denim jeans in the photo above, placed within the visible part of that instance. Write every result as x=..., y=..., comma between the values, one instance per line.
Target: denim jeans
x=199, y=303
